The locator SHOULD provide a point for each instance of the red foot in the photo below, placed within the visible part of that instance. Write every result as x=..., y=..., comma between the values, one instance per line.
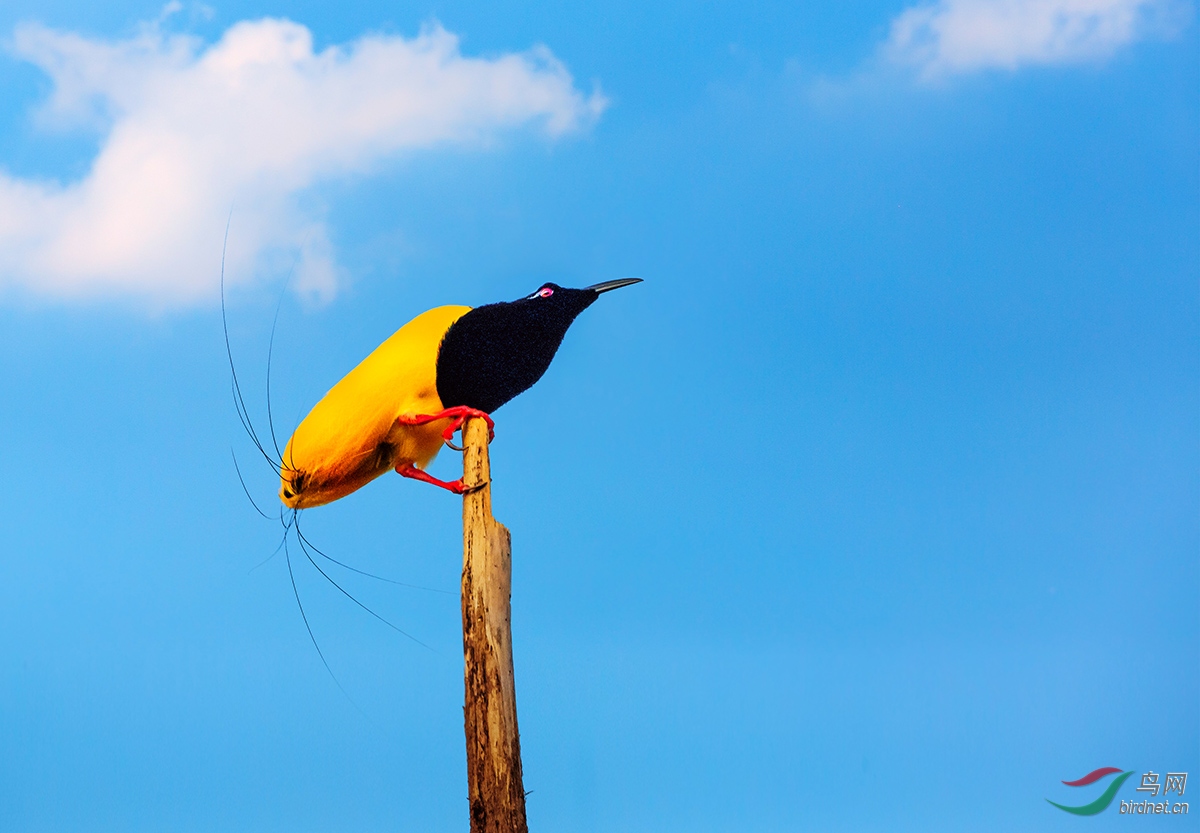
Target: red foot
x=460, y=413
x=456, y=486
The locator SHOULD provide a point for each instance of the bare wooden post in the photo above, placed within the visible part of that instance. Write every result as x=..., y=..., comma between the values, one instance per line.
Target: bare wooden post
x=494, y=783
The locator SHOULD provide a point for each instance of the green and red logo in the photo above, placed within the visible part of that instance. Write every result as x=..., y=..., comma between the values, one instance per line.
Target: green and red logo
x=1106, y=798
x=1172, y=782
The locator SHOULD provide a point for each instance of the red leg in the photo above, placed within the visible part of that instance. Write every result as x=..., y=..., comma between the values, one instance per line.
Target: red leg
x=460, y=413
x=456, y=486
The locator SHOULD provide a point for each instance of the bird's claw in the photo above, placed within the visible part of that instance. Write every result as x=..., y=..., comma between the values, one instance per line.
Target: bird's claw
x=461, y=418
x=457, y=486
x=459, y=414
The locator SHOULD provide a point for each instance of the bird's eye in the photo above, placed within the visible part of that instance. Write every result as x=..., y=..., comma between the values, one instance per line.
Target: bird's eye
x=545, y=292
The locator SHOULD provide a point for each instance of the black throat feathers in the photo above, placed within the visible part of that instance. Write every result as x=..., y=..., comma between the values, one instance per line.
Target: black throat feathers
x=497, y=351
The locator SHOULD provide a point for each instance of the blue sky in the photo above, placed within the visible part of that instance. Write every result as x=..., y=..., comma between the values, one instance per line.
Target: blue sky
x=873, y=508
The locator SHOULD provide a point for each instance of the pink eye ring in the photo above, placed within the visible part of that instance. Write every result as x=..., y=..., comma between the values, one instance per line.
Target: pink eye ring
x=545, y=292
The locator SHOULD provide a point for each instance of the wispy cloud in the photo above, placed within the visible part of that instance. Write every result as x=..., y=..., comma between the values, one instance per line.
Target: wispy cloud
x=250, y=122
x=950, y=37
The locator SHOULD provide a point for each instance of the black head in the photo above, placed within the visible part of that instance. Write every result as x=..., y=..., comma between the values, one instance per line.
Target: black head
x=497, y=351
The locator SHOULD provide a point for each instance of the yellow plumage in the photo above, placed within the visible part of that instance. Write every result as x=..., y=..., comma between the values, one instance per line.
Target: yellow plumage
x=351, y=436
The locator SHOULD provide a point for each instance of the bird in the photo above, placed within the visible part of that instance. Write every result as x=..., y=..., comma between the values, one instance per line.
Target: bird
x=396, y=409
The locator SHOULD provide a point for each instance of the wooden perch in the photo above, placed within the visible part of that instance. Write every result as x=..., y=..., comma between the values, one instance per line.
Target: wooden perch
x=494, y=784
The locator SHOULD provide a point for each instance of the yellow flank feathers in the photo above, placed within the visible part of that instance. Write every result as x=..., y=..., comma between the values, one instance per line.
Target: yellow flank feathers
x=351, y=436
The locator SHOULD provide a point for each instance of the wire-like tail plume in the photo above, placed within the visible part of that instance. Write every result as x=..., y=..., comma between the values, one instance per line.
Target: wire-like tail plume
x=239, y=401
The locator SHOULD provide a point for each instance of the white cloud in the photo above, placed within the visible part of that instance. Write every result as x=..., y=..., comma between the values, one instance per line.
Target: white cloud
x=250, y=123
x=958, y=36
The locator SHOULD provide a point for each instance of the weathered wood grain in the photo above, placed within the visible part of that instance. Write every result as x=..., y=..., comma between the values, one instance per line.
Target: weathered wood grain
x=494, y=782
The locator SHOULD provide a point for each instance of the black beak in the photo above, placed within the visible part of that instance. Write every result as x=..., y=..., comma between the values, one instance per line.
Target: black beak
x=608, y=286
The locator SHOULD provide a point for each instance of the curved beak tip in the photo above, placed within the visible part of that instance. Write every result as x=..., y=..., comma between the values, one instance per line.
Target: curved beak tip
x=608, y=286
